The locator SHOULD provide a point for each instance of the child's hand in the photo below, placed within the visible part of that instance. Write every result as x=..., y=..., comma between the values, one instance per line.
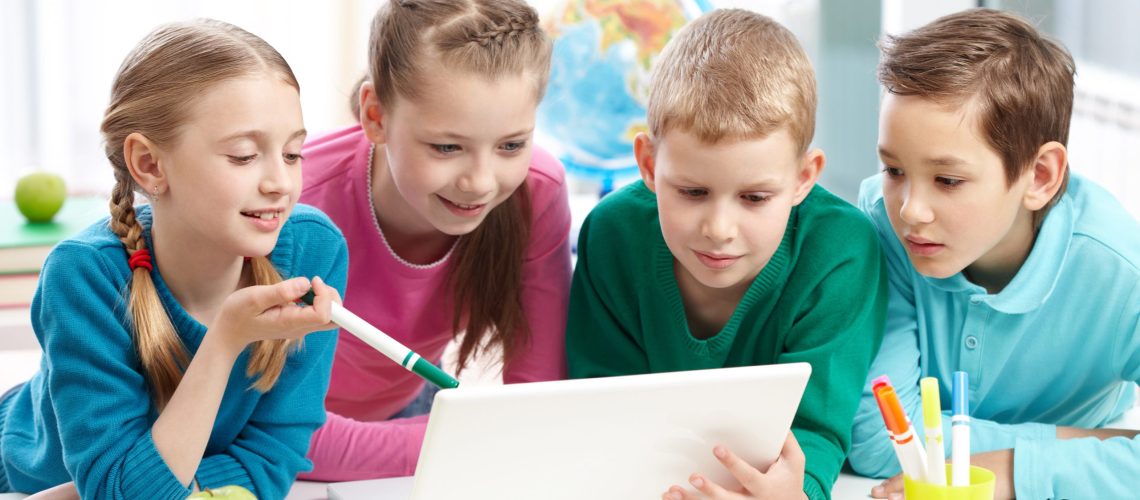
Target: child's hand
x=269, y=312
x=784, y=479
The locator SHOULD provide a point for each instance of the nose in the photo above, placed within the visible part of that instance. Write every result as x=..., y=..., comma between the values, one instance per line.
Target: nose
x=719, y=225
x=276, y=178
x=915, y=209
x=478, y=177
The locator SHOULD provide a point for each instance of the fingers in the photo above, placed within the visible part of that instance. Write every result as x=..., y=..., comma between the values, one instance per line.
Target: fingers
x=891, y=488
x=751, y=478
x=323, y=298
x=792, y=452
x=268, y=296
x=678, y=493
x=708, y=488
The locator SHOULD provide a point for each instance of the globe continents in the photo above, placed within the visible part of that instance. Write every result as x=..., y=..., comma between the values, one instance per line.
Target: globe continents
x=603, y=54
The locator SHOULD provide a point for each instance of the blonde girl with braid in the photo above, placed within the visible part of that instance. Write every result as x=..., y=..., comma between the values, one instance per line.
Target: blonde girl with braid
x=457, y=223
x=175, y=355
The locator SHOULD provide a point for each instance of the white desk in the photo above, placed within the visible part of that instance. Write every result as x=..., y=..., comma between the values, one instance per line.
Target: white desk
x=848, y=487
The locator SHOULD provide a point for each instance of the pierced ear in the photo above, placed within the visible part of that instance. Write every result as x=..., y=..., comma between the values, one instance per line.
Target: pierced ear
x=371, y=113
x=645, y=153
x=1048, y=174
x=142, y=158
x=810, y=168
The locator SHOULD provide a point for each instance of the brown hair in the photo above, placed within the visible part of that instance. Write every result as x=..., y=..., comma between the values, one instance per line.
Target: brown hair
x=152, y=95
x=1020, y=81
x=491, y=38
x=733, y=74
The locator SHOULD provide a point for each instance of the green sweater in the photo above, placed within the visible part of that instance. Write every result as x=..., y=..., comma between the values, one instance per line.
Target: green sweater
x=821, y=299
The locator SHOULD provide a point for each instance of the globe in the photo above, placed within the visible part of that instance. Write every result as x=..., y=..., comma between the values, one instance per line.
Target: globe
x=604, y=51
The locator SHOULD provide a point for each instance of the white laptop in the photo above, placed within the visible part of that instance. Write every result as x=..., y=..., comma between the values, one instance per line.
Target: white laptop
x=618, y=437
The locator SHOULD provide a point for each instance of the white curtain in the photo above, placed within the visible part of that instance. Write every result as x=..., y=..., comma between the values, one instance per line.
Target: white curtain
x=58, y=58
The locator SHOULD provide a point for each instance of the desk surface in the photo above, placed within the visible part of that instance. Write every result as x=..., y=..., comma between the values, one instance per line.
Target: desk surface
x=848, y=487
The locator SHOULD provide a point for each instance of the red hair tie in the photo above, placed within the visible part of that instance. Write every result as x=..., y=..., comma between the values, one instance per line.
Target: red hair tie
x=140, y=258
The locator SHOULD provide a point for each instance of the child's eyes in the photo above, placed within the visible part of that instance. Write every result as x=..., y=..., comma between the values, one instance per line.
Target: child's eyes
x=445, y=148
x=292, y=158
x=692, y=192
x=241, y=160
x=893, y=172
x=514, y=146
x=755, y=198
x=948, y=182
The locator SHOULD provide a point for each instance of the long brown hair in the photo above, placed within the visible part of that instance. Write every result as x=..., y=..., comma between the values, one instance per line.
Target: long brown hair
x=491, y=38
x=152, y=94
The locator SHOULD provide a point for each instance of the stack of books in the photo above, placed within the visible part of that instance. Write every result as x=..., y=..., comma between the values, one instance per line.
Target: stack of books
x=24, y=246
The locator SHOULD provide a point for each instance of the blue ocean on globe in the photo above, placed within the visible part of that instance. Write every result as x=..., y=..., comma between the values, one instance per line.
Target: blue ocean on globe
x=595, y=101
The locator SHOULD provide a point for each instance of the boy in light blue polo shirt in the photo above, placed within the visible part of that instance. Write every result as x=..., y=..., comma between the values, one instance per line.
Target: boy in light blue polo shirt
x=1000, y=264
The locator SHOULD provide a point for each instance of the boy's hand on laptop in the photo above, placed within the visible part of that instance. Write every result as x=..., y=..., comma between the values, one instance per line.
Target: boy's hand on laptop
x=1000, y=462
x=784, y=478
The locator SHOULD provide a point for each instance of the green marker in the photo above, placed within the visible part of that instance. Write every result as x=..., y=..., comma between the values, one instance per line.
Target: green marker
x=387, y=345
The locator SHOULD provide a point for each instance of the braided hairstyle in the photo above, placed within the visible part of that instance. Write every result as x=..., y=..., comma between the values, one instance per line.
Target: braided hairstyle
x=489, y=38
x=149, y=97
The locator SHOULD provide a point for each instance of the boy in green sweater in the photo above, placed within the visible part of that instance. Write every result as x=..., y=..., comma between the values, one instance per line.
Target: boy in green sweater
x=727, y=253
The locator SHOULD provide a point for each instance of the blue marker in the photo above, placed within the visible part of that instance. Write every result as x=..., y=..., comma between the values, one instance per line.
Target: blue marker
x=960, y=431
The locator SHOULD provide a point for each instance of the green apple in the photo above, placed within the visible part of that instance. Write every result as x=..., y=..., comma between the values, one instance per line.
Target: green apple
x=40, y=195
x=231, y=492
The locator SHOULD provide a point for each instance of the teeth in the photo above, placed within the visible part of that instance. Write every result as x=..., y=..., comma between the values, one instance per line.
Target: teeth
x=268, y=215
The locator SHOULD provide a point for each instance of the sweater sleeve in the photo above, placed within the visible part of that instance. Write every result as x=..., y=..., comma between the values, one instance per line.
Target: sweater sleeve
x=270, y=449
x=597, y=343
x=838, y=334
x=349, y=450
x=95, y=381
x=546, y=282
x=1046, y=467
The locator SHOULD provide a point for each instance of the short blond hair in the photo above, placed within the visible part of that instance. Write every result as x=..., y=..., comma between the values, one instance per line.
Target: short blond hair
x=733, y=74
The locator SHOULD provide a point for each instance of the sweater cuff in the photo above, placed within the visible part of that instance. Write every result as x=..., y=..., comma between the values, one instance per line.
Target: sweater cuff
x=1032, y=459
x=813, y=490
x=146, y=475
x=216, y=471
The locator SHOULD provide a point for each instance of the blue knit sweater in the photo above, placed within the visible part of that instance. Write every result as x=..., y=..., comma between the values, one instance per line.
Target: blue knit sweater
x=86, y=416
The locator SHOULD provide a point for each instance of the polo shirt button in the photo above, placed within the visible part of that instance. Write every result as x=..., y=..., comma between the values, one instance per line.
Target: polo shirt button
x=971, y=342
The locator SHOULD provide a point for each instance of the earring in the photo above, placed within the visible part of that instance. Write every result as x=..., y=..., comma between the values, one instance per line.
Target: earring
x=155, y=197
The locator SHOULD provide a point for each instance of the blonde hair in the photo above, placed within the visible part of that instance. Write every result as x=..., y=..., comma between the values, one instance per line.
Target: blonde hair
x=153, y=94
x=1021, y=81
x=733, y=74
x=490, y=38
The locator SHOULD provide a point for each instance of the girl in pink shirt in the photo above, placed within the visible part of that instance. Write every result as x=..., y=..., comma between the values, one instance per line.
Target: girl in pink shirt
x=454, y=220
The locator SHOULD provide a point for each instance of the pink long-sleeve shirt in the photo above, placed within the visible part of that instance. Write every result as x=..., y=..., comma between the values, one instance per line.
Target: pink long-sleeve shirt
x=413, y=304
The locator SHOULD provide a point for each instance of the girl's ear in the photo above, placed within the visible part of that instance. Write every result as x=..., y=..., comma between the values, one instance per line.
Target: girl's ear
x=143, y=162
x=372, y=114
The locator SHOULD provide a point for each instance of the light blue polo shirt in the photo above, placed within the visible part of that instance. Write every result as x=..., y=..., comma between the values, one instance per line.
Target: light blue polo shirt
x=1060, y=345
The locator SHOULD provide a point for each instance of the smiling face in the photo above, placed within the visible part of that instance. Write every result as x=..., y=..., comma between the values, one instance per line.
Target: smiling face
x=946, y=192
x=234, y=172
x=455, y=152
x=724, y=207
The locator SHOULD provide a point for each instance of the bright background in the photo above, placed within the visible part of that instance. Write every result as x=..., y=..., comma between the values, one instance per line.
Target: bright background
x=58, y=57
